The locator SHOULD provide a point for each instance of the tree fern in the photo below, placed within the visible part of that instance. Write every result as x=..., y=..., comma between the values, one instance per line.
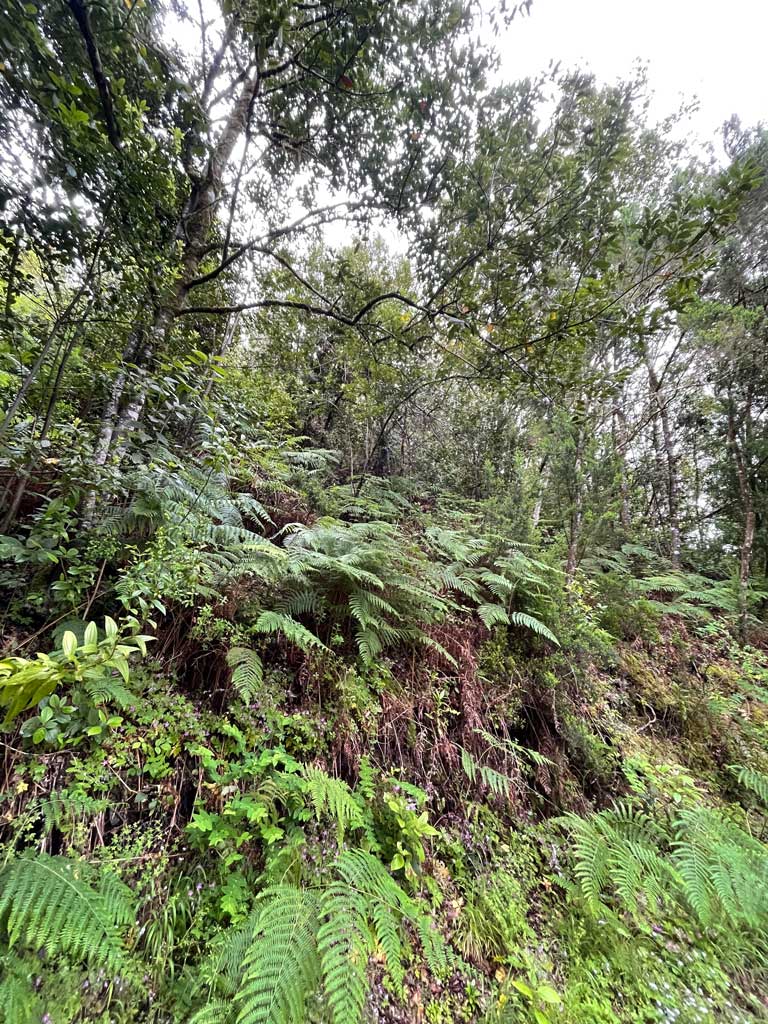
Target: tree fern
x=67, y=907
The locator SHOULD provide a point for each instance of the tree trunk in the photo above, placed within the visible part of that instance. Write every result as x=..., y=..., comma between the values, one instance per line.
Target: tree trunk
x=748, y=508
x=577, y=510
x=194, y=228
x=541, y=486
x=619, y=423
x=671, y=473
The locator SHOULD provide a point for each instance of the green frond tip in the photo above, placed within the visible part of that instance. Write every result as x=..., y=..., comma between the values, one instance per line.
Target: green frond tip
x=497, y=783
x=532, y=623
x=66, y=907
x=752, y=780
x=334, y=797
x=247, y=672
x=291, y=629
x=492, y=615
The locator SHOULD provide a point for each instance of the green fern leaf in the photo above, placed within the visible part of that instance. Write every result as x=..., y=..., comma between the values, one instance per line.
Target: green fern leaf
x=344, y=943
x=531, y=622
x=247, y=672
x=281, y=966
x=65, y=906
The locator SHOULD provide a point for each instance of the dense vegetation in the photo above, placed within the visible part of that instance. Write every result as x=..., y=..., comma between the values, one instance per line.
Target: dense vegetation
x=384, y=619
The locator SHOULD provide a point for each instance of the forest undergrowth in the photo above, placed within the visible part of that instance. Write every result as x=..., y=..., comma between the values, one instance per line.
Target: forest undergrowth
x=380, y=762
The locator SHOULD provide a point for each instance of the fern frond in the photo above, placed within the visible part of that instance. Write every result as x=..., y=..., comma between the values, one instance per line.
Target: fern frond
x=18, y=1002
x=293, y=631
x=492, y=614
x=531, y=622
x=109, y=690
x=335, y=796
x=436, y=952
x=65, y=906
x=756, y=782
x=281, y=966
x=344, y=943
x=499, y=784
x=247, y=672
x=387, y=928
x=61, y=810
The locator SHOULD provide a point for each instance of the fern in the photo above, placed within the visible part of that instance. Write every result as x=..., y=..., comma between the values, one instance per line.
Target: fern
x=492, y=614
x=335, y=797
x=296, y=940
x=387, y=929
x=703, y=862
x=515, y=750
x=247, y=672
x=108, y=690
x=532, y=623
x=723, y=870
x=281, y=966
x=18, y=1002
x=756, y=782
x=293, y=631
x=62, y=810
x=66, y=907
x=500, y=785
x=344, y=943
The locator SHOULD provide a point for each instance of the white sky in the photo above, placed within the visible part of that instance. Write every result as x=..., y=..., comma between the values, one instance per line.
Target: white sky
x=716, y=50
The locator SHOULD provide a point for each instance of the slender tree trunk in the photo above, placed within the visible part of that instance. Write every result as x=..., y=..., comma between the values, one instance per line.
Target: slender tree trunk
x=619, y=423
x=194, y=228
x=58, y=326
x=671, y=471
x=540, y=488
x=577, y=509
x=27, y=473
x=748, y=508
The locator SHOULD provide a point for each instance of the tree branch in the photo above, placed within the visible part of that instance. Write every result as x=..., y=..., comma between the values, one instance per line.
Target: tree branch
x=81, y=16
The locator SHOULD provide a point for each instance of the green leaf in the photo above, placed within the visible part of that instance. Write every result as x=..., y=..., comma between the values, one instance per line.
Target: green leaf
x=521, y=986
x=69, y=644
x=547, y=994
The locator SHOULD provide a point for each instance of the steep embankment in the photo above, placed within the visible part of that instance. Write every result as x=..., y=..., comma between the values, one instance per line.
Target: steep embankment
x=396, y=771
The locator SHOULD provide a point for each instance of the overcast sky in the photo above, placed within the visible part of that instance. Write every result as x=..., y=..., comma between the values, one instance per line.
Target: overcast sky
x=716, y=50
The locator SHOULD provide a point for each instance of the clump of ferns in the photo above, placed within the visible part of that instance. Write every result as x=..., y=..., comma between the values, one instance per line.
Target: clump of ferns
x=301, y=941
x=372, y=583
x=697, y=860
